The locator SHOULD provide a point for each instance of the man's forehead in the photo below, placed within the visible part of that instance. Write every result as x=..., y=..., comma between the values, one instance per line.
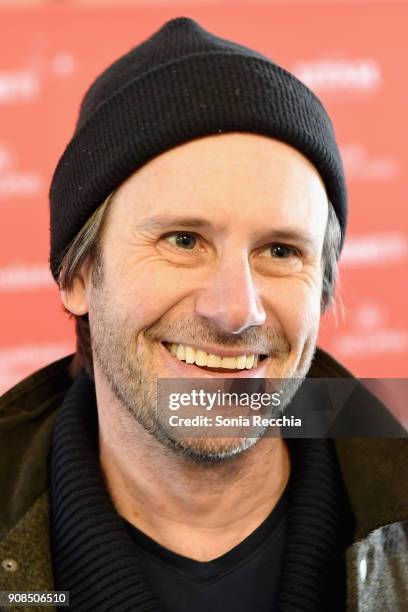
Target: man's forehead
x=226, y=178
x=240, y=150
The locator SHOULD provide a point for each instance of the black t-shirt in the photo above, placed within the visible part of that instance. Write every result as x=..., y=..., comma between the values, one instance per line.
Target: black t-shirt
x=242, y=580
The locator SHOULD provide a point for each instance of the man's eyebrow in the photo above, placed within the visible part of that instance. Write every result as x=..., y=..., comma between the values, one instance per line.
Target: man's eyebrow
x=163, y=222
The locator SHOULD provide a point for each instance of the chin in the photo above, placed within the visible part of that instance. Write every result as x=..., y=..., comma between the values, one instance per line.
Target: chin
x=210, y=451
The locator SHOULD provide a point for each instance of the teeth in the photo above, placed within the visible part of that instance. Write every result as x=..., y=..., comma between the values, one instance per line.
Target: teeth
x=241, y=362
x=190, y=354
x=249, y=362
x=201, y=358
x=214, y=361
x=181, y=352
x=229, y=362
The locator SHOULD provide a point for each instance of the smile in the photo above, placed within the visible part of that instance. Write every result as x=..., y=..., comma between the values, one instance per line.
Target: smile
x=201, y=358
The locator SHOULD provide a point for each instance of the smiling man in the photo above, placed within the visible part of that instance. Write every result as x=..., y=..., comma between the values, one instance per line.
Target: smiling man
x=224, y=268
x=197, y=217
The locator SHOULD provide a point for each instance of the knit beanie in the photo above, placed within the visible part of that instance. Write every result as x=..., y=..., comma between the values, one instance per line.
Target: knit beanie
x=180, y=84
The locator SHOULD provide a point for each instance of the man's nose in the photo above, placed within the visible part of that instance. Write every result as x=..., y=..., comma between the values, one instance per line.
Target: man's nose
x=230, y=298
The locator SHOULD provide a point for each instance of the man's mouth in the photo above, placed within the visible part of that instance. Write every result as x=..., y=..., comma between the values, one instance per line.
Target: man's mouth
x=212, y=361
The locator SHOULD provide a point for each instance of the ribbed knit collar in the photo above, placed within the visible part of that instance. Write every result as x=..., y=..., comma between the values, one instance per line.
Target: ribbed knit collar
x=96, y=560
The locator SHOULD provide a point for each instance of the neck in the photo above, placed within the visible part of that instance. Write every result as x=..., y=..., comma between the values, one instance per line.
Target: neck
x=199, y=511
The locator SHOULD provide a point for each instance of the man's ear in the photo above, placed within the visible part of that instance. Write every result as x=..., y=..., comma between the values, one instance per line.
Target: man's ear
x=75, y=299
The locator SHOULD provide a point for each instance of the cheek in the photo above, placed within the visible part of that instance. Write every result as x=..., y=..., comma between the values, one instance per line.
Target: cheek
x=297, y=307
x=145, y=295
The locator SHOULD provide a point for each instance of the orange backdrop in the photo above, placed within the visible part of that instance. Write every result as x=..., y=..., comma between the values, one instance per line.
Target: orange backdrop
x=352, y=54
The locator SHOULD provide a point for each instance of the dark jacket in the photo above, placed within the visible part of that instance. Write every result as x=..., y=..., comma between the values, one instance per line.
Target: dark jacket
x=374, y=472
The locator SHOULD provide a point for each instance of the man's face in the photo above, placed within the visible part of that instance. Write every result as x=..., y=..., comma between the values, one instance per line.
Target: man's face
x=215, y=245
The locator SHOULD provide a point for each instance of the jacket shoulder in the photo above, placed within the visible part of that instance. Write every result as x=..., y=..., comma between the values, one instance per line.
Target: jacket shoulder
x=27, y=414
x=362, y=414
x=51, y=379
x=373, y=465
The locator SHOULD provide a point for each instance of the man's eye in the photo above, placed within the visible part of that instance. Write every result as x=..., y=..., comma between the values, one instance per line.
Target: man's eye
x=282, y=251
x=183, y=240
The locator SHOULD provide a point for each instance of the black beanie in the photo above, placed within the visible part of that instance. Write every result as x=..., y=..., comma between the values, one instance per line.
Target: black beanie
x=182, y=83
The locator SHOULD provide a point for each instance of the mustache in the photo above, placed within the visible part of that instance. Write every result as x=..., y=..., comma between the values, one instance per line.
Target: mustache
x=190, y=331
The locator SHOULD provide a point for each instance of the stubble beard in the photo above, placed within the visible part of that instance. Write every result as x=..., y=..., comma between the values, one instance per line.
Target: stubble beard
x=131, y=375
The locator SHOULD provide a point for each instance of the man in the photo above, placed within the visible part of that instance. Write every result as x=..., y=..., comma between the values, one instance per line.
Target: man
x=196, y=221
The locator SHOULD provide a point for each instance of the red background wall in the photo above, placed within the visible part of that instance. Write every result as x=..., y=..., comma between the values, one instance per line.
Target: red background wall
x=352, y=54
